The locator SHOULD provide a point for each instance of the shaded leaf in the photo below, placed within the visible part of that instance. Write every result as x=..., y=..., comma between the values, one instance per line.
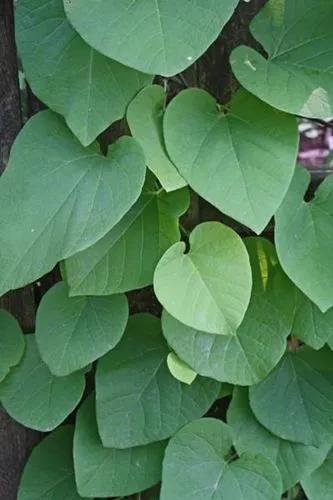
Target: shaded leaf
x=319, y=484
x=11, y=343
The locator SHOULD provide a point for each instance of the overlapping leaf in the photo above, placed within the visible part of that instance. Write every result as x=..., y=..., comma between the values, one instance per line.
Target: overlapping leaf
x=145, y=118
x=209, y=287
x=57, y=198
x=126, y=257
x=11, y=343
x=155, y=36
x=304, y=238
x=36, y=398
x=73, y=332
x=241, y=159
x=319, y=484
x=88, y=89
x=180, y=370
x=196, y=465
x=297, y=74
x=138, y=401
x=108, y=472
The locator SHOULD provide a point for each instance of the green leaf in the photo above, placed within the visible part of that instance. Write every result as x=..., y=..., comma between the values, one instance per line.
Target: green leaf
x=88, y=89
x=209, y=287
x=295, y=401
x=304, y=238
x=196, y=465
x=36, y=398
x=108, y=472
x=297, y=74
x=260, y=341
x=310, y=324
x=73, y=332
x=11, y=343
x=241, y=159
x=57, y=198
x=294, y=460
x=138, y=401
x=126, y=257
x=145, y=119
x=155, y=36
x=319, y=484
x=180, y=370
x=49, y=472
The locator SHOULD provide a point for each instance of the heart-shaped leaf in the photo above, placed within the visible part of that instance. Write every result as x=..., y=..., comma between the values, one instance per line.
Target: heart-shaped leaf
x=319, y=484
x=11, y=343
x=138, y=401
x=108, y=472
x=209, y=287
x=304, y=238
x=155, y=36
x=297, y=74
x=142, y=236
x=88, y=89
x=49, y=472
x=294, y=460
x=240, y=159
x=260, y=341
x=36, y=398
x=196, y=465
x=73, y=332
x=57, y=198
x=145, y=119
x=300, y=386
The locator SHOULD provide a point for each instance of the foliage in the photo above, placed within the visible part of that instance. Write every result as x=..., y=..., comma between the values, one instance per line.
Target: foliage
x=236, y=310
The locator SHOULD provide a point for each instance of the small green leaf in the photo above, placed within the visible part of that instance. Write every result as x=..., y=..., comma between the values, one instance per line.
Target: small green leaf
x=196, y=465
x=57, y=198
x=73, y=332
x=294, y=460
x=88, y=89
x=49, y=472
x=36, y=398
x=108, y=472
x=126, y=257
x=180, y=370
x=138, y=401
x=155, y=36
x=11, y=343
x=297, y=74
x=319, y=484
x=304, y=238
x=241, y=159
x=295, y=401
x=260, y=340
x=209, y=287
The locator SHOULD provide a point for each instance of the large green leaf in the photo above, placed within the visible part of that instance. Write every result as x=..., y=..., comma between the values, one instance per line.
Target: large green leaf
x=145, y=119
x=138, y=401
x=304, y=238
x=241, y=158
x=297, y=75
x=260, y=341
x=294, y=460
x=295, y=401
x=36, y=398
x=73, y=332
x=155, y=36
x=57, y=198
x=310, y=325
x=88, y=89
x=49, y=472
x=196, y=465
x=209, y=287
x=108, y=472
x=126, y=257
x=319, y=484
x=11, y=343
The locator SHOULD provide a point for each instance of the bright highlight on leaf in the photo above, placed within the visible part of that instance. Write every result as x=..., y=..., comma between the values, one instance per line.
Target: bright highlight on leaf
x=241, y=159
x=11, y=343
x=155, y=36
x=209, y=287
x=180, y=370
